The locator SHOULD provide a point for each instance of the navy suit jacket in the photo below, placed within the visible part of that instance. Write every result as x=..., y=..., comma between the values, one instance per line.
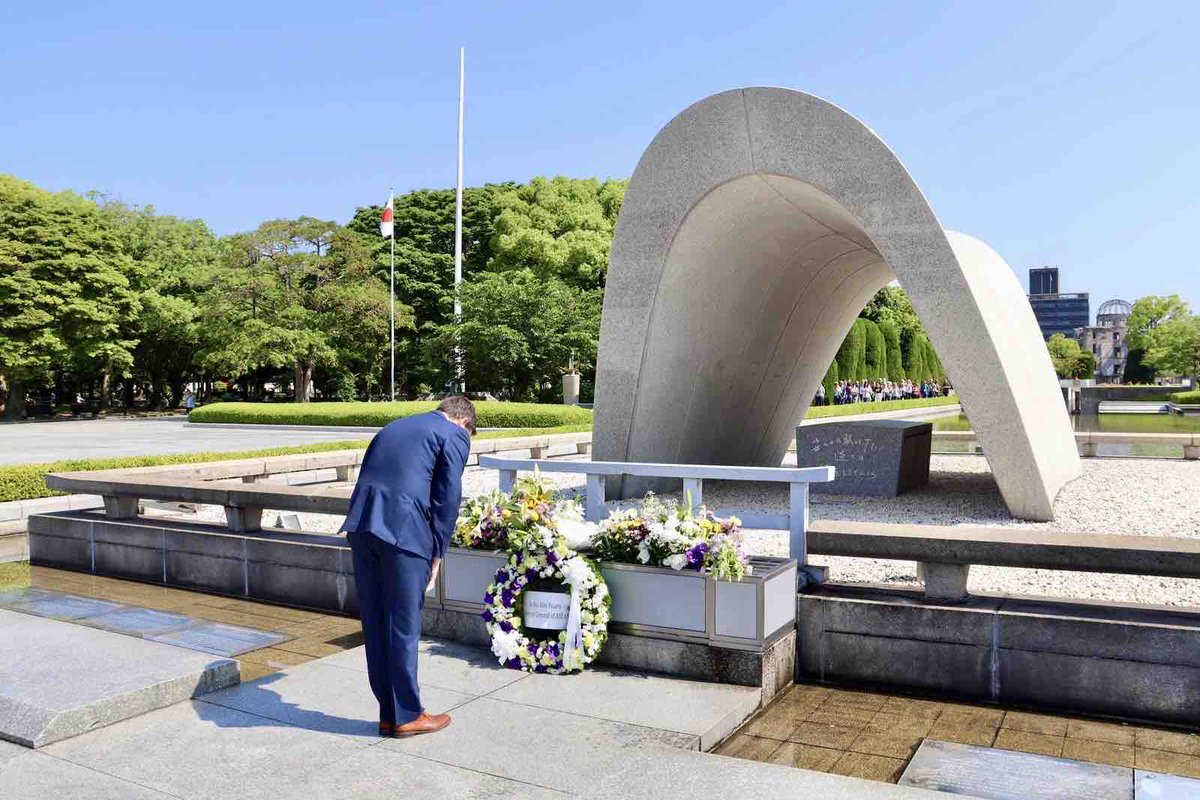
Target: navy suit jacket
x=410, y=484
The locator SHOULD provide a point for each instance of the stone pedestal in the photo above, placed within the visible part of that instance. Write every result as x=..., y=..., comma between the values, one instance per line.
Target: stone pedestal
x=571, y=389
x=881, y=458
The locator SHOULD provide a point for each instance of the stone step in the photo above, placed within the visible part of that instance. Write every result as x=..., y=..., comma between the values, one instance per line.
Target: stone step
x=58, y=679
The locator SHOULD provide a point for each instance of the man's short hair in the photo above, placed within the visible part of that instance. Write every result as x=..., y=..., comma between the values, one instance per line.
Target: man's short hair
x=460, y=408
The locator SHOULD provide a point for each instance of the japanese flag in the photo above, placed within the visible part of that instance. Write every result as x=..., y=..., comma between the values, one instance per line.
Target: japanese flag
x=385, y=221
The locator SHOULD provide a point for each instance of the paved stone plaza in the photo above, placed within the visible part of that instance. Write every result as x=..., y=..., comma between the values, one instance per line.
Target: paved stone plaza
x=307, y=723
x=38, y=442
x=873, y=735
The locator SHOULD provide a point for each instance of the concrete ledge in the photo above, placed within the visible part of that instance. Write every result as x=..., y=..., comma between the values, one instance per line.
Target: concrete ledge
x=284, y=567
x=1106, y=659
x=770, y=670
x=317, y=572
x=59, y=680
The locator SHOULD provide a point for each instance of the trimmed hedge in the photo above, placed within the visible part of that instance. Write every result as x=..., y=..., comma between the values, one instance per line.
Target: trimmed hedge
x=26, y=481
x=1186, y=398
x=490, y=414
x=851, y=409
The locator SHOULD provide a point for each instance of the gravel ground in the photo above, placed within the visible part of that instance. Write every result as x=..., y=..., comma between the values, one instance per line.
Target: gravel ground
x=1143, y=497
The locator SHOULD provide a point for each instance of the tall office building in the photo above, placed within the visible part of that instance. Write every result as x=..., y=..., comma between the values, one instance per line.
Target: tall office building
x=1056, y=312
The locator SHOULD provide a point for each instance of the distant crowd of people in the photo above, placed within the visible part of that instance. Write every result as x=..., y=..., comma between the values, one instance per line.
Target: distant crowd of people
x=870, y=391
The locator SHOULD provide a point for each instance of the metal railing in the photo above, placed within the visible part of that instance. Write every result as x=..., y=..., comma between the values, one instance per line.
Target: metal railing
x=693, y=477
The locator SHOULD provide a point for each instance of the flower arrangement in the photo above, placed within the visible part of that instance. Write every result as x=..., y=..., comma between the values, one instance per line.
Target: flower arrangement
x=665, y=534
x=587, y=628
x=522, y=519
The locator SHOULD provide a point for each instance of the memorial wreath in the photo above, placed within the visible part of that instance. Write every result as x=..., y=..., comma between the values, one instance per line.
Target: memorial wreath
x=533, y=630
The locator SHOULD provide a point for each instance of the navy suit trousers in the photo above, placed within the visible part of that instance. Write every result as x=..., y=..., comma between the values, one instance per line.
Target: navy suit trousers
x=391, y=587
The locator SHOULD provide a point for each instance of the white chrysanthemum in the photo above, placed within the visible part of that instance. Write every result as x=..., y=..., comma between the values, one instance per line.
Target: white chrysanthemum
x=545, y=534
x=676, y=562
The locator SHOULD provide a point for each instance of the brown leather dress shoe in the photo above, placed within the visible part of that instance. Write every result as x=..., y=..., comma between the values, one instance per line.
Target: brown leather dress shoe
x=426, y=723
x=387, y=728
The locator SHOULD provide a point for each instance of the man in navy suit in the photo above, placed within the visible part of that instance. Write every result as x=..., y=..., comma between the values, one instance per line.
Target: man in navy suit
x=402, y=512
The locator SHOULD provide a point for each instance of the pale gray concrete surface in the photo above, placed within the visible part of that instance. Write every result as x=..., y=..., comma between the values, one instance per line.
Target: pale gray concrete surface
x=304, y=733
x=58, y=680
x=708, y=711
x=311, y=696
x=785, y=214
x=38, y=442
x=34, y=775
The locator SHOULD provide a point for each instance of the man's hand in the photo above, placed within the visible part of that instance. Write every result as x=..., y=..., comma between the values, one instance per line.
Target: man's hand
x=433, y=572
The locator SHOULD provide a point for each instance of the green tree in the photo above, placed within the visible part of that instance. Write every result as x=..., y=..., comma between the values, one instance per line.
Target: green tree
x=913, y=346
x=518, y=333
x=933, y=364
x=895, y=358
x=860, y=364
x=1148, y=313
x=1167, y=333
x=891, y=304
x=284, y=296
x=1136, y=368
x=1175, y=348
x=1070, y=361
x=170, y=258
x=424, y=229
x=876, y=351
x=65, y=298
x=559, y=228
x=830, y=382
x=851, y=351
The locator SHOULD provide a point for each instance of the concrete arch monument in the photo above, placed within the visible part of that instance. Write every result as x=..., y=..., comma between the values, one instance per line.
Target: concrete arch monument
x=756, y=226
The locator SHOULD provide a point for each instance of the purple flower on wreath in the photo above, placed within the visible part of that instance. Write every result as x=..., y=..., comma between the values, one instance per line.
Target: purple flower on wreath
x=506, y=598
x=530, y=574
x=506, y=627
x=539, y=668
x=487, y=615
x=552, y=557
x=489, y=598
x=501, y=574
x=513, y=663
x=696, y=554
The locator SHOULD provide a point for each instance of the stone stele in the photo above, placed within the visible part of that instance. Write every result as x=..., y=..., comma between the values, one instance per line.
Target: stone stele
x=755, y=228
x=877, y=458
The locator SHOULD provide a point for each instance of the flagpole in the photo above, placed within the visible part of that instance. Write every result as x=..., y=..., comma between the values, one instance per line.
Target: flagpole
x=460, y=383
x=392, y=295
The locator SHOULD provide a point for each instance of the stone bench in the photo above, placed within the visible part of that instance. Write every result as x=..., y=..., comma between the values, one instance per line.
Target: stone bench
x=123, y=489
x=947, y=553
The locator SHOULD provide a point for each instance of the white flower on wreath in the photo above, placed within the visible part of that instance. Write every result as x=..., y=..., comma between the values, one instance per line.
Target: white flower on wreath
x=545, y=534
x=676, y=562
x=506, y=646
x=576, y=572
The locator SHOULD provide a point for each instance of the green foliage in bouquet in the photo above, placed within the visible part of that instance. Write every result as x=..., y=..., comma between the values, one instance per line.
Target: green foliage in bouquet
x=524, y=519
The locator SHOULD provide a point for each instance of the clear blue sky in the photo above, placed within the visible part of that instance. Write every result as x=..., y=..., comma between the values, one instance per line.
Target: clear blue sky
x=1060, y=133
